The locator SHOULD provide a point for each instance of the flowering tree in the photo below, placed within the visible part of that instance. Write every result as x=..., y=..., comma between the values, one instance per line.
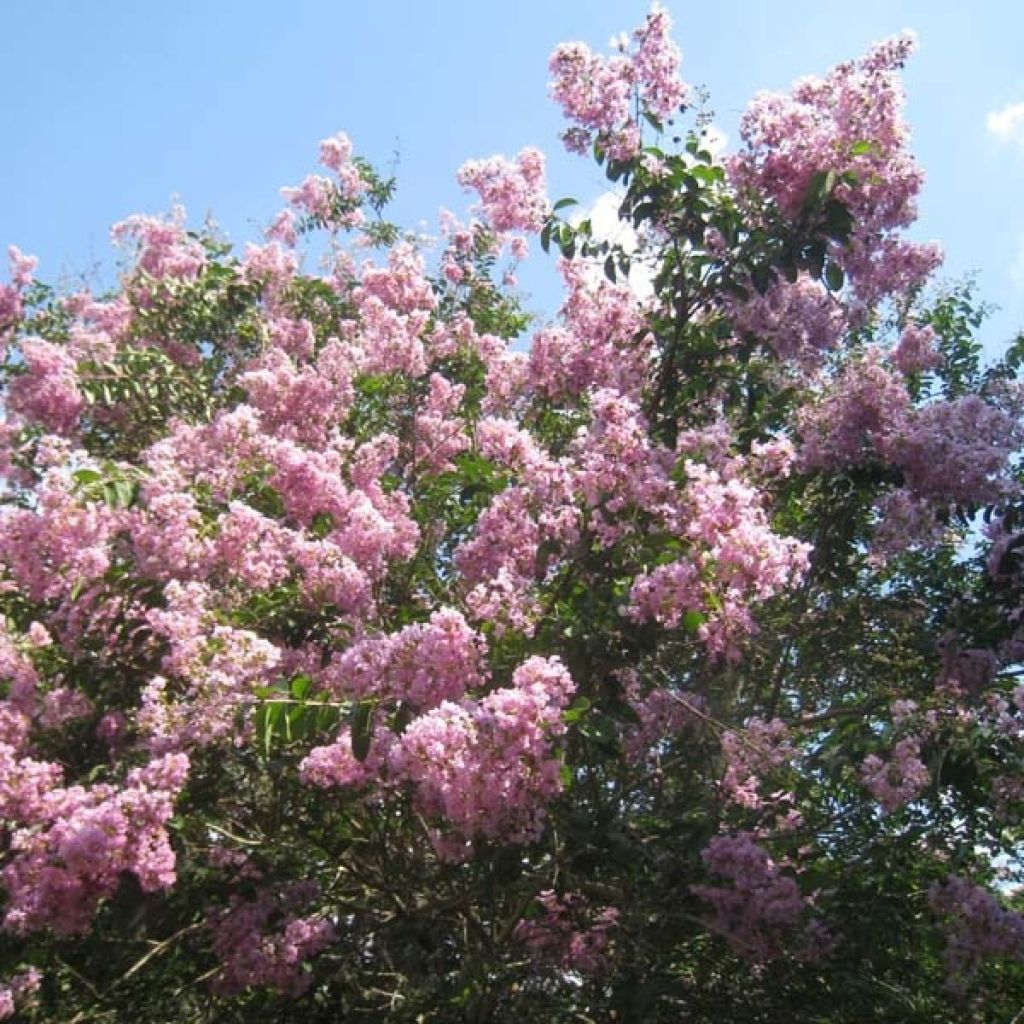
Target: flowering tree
x=366, y=653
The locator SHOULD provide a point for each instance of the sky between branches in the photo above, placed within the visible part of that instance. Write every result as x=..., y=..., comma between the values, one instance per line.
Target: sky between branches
x=116, y=107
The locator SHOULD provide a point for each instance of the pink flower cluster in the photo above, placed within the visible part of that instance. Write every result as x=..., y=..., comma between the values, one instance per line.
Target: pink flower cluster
x=600, y=344
x=735, y=560
x=70, y=846
x=620, y=471
x=424, y=664
x=849, y=123
x=854, y=420
x=60, y=544
x=619, y=477
x=22, y=679
x=441, y=433
x=478, y=768
x=210, y=672
x=335, y=766
x=597, y=94
x=662, y=714
x=165, y=254
x=760, y=909
x=369, y=526
x=11, y=303
x=900, y=779
x=487, y=769
x=916, y=350
x=960, y=450
x=569, y=932
x=262, y=942
x=304, y=403
x=761, y=748
x=957, y=451
x=800, y=322
x=395, y=305
x=977, y=928
x=335, y=202
x=499, y=562
x=46, y=390
x=513, y=196
x=15, y=990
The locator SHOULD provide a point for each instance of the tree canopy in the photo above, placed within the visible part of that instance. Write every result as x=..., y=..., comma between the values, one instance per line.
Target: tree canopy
x=370, y=650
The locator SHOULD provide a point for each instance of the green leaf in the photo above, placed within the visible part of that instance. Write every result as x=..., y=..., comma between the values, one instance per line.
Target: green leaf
x=268, y=719
x=124, y=492
x=563, y=203
x=321, y=525
x=814, y=259
x=576, y=710
x=653, y=121
x=361, y=723
x=834, y=276
x=300, y=686
x=692, y=621
x=762, y=278
x=838, y=221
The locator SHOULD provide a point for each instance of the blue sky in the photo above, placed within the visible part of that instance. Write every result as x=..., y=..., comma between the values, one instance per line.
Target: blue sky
x=114, y=107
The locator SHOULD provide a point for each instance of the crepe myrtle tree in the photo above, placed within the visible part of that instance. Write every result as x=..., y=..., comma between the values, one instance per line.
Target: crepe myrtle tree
x=369, y=651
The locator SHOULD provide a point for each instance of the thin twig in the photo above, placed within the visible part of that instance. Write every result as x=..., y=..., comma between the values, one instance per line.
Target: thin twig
x=156, y=950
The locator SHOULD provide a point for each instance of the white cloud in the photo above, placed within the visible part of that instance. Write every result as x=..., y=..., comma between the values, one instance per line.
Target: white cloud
x=607, y=227
x=714, y=140
x=1007, y=124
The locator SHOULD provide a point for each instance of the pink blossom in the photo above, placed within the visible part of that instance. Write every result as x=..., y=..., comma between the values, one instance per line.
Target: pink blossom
x=854, y=421
x=83, y=839
x=262, y=942
x=61, y=705
x=282, y=228
x=22, y=267
x=901, y=779
x=977, y=928
x=798, y=321
x=164, y=254
x=15, y=989
x=600, y=344
x=513, y=195
x=729, y=533
x=47, y=390
x=662, y=713
x=596, y=93
x=569, y=931
x=487, y=768
x=11, y=302
x=916, y=350
x=210, y=673
x=761, y=748
x=849, y=123
x=336, y=766
x=423, y=664
x=760, y=910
